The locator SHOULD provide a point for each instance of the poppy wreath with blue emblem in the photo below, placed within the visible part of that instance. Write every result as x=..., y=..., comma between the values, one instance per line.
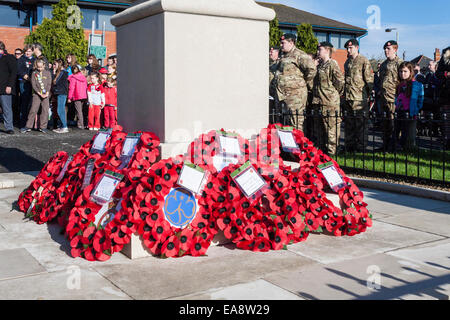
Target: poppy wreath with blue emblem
x=42, y=188
x=155, y=197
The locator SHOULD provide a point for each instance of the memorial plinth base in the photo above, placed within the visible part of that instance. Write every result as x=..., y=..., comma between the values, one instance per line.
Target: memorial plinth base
x=135, y=249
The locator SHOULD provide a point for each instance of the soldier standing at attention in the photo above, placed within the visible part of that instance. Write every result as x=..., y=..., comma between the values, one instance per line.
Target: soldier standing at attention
x=388, y=85
x=274, y=58
x=294, y=77
x=327, y=90
x=358, y=87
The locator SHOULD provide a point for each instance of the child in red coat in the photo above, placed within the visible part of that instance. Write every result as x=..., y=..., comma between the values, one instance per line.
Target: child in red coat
x=110, y=110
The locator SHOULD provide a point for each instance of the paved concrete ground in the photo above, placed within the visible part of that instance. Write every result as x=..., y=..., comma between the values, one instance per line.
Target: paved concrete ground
x=405, y=255
x=30, y=151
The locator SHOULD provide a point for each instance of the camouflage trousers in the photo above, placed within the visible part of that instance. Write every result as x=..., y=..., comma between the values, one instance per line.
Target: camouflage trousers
x=326, y=128
x=388, y=107
x=356, y=124
x=296, y=103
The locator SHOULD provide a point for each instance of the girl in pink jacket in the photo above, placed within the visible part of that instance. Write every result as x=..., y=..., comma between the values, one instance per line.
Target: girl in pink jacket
x=77, y=93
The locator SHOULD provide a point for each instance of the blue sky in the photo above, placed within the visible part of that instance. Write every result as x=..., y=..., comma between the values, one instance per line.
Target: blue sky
x=422, y=25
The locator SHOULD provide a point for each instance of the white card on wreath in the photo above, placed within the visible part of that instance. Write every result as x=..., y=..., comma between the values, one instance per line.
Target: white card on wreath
x=230, y=145
x=287, y=139
x=100, y=141
x=191, y=178
x=220, y=161
x=250, y=181
x=332, y=176
x=106, y=188
x=128, y=146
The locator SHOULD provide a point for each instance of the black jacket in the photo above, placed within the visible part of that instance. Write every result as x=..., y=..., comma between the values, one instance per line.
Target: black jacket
x=61, y=85
x=8, y=73
x=25, y=66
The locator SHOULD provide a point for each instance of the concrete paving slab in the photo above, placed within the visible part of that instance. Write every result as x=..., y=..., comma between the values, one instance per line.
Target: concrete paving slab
x=381, y=237
x=375, y=277
x=435, y=254
x=432, y=222
x=17, y=179
x=255, y=290
x=18, y=263
x=404, y=204
x=56, y=257
x=73, y=284
x=153, y=278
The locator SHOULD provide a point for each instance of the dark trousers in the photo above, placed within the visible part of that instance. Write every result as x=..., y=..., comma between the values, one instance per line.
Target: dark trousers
x=25, y=102
x=6, y=104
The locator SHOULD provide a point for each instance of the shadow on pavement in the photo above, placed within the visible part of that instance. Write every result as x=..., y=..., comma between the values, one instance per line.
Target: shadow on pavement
x=15, y=160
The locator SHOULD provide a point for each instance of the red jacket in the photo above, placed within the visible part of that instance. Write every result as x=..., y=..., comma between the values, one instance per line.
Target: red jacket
x=110, y=96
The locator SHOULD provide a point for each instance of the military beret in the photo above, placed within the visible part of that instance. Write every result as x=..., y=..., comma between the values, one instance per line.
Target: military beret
x=275, y=48
x=325, y=44
x=351, y=42
x=289, y=36
x=390, y=43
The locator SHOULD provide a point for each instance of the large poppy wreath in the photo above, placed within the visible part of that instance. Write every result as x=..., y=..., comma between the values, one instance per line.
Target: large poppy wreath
x=58, y=203
x=352, y=217
x=173, y=221
x=42, y=188
x=99, y=240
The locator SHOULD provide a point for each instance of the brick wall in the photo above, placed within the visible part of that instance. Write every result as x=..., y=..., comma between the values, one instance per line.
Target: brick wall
x=340, y=56
x=14, y=38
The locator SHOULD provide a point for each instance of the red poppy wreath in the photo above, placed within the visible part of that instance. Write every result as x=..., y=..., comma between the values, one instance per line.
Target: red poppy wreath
x=42, y=188
x=352, y=217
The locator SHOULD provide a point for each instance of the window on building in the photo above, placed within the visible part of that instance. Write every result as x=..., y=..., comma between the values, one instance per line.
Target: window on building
x=288, y=30
x=104, y=16
x=335, y=40
x=12, y=15
x=321, y=36
x=89, y=15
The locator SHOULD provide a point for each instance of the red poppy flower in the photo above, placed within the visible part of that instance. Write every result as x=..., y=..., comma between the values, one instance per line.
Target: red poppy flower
x=186, y=236
x=198, y=246
x=77, y=247
x=170, y=247
x=312, y=223
x=262, y=244
x=101, y=241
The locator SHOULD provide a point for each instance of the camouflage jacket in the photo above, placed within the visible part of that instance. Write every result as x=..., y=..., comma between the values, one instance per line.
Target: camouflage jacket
x=328, y=84
x=389, y=78
x=295, y=73
x=273, y=65
x=358, y=78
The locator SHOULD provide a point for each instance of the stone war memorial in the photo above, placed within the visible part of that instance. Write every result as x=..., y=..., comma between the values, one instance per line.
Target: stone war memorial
x=194, y=162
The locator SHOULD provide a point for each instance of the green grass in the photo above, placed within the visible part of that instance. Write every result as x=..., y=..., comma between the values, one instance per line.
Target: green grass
x=416, y=163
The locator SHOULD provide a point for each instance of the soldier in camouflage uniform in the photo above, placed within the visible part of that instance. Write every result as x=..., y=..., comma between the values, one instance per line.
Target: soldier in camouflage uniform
x=293, y=77
x=327, y=90
x=388, y=85
x=358, y=87
x=273, y=103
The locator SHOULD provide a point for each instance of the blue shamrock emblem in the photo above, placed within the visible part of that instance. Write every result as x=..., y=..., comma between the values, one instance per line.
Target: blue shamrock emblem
x=180, y=207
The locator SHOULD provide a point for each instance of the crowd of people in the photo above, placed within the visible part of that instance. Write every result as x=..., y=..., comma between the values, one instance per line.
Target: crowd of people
x=302, y=83
x=51, y=95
